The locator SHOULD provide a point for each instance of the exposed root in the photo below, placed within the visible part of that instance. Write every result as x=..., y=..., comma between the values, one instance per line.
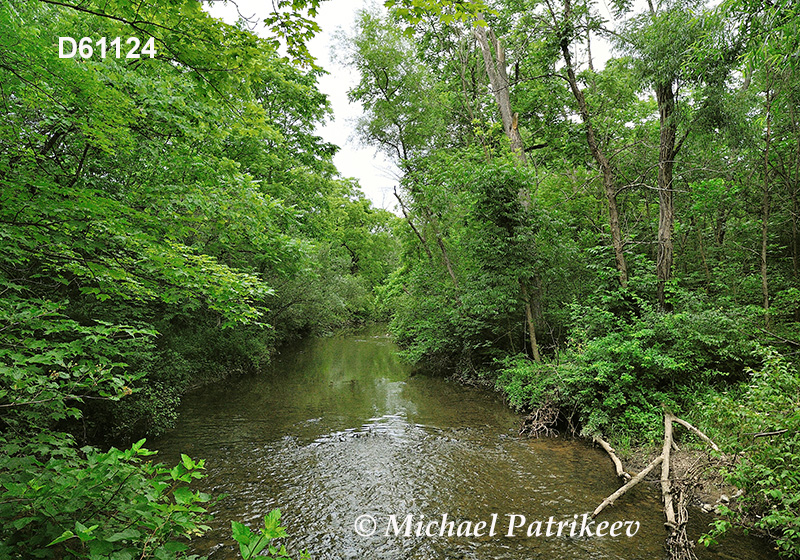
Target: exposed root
x=679, y=546
x=666, y=486
x=541, y=421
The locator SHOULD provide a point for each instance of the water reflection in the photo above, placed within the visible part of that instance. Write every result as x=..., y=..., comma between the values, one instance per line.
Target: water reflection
x=339, y=428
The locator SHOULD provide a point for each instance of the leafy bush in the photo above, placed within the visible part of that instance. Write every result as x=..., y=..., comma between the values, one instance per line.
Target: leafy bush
x=59, y=501
x=527, y=384
x=767, y=472
x=625, y=361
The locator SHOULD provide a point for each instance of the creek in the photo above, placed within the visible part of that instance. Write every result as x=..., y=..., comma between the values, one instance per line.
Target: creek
x=337, y=428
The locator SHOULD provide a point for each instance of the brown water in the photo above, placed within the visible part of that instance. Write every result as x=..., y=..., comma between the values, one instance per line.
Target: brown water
x=338, y=428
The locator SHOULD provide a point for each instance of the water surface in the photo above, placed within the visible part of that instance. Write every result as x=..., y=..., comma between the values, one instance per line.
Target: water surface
x=339, y=428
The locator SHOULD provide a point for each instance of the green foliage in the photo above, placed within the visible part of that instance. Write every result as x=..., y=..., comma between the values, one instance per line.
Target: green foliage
x=59, y=501
x=528, y=385
x=459, y=299
x=251, y=543
x=288, y=23
x=414, y=11
x=622, y=377
x=164, y=222
x=404, y=106
x=618, y=370
x=767, y=403
x=50, y=364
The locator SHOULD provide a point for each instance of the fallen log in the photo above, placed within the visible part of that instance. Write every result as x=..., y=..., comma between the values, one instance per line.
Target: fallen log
x=666, y=494
x=611, y=453
x=679, y=547
x=630, y=484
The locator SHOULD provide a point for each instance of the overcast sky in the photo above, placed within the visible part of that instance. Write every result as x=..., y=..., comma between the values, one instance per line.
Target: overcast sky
x=376, y=175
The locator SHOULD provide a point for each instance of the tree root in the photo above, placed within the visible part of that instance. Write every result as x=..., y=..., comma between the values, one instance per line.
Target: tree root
x=666, y=487
x=540, y=422
x=679, y=546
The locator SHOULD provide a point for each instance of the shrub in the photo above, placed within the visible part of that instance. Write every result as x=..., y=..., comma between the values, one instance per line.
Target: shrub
x=58, y=501
x=768, y=471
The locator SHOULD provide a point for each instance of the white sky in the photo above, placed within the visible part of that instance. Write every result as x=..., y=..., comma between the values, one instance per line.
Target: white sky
x=376, y=175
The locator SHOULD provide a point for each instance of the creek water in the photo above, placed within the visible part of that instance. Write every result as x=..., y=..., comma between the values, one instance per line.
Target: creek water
x=339, y=428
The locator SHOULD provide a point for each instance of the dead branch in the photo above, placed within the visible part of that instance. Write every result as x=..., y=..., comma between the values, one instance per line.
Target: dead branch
x=765, y=434
x=679, y=546
x=611, y=453
x=630, y=484
x=666, y=494
x=696, y=432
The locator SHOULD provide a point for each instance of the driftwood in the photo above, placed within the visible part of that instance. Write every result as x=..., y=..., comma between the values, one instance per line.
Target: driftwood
x=679, y=547
x=631, y=483
x=611, y=453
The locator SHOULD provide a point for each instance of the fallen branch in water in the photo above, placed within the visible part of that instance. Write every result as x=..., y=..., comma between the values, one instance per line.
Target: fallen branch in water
x=630, y=484
x=666, y=493
x=679, y=547
x=611, y=453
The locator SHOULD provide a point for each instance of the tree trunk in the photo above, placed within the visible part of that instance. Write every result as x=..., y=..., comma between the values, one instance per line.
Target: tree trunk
x=440, y=242
x=765, y=203
x=498, y=78
x=495, y=64
x=422, y=241
x=446, y=258
x=597, y=153
x=795, y=235
x=795, y=214
x=531, y=328
x=666, y=208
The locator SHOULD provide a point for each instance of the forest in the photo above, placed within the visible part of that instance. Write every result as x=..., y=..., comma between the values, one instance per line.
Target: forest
x=598, y=217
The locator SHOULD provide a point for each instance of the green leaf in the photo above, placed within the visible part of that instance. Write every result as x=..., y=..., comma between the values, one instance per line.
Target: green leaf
x=127, y=534
x=183, y=495
x=61, y=538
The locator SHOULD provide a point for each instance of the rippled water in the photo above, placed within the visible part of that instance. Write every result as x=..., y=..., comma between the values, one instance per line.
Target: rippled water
x=338, y=428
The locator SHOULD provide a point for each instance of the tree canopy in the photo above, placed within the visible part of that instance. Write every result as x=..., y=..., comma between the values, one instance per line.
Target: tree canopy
x=164, y=220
